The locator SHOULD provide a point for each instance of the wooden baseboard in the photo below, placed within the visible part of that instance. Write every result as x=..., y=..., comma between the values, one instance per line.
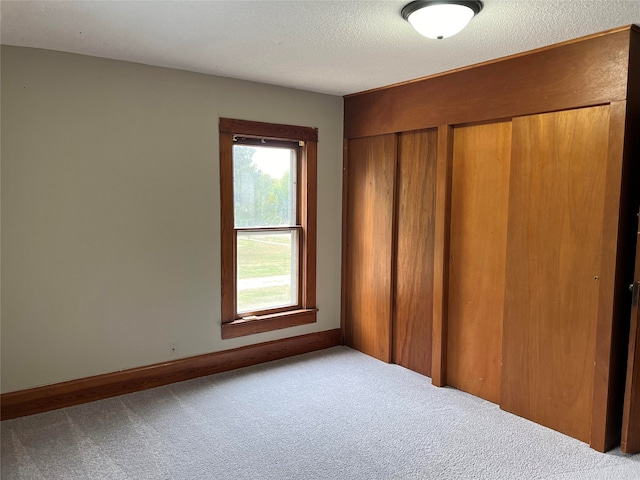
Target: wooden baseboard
x=75, y=392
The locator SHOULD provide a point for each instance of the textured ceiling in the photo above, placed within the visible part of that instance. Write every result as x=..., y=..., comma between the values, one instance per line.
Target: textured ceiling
x=329, y=46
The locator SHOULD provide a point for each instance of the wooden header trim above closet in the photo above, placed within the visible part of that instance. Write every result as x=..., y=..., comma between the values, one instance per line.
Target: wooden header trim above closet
x=589, y=71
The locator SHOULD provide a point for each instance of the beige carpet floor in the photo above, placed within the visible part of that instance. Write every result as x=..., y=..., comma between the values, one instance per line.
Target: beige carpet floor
x=333, y=414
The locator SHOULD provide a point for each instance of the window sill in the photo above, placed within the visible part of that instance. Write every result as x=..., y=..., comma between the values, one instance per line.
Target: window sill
x=266, y=323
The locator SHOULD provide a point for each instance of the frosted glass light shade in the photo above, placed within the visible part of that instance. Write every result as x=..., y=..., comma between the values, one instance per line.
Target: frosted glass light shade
x=440, y=19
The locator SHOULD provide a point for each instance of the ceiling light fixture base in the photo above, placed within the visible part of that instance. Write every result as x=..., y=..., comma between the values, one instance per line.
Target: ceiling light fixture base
x=440, y=19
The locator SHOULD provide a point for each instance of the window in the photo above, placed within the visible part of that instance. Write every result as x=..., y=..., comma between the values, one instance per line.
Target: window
x=268, y=225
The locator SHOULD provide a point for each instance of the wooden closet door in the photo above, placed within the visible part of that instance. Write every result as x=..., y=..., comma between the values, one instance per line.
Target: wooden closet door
x=368, y=252
x=556, y=205
x=413, y=297
x=630, y=442
x=479, y=202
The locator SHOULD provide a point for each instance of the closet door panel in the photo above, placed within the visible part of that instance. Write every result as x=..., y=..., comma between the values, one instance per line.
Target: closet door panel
x=367, y=284
x=479, y=201
x=413, y=298
x=556, y=201
x=630, y=442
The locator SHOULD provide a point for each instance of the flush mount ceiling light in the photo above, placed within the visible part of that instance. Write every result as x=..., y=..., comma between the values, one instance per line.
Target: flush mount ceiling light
x=440, y=18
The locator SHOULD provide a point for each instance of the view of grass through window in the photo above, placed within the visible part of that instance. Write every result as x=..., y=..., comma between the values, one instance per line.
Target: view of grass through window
x=264, y=196
x=265, y=271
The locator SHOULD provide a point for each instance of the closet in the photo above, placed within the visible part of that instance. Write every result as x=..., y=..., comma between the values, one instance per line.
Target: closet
x=477, y=254
x=391, y=180
x=413, y=235
x=554, y=267
x=371, y=181
x=490, y=232
x=631, y=417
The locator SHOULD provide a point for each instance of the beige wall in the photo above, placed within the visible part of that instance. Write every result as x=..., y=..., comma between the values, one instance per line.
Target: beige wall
x=110, y=211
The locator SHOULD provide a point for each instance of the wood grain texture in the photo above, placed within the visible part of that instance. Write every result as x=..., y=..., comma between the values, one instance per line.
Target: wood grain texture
x=369, y=249
x=616, y=272
x=413, y=286
x=631, y=197
x=479, y=211
x=308, y=219
x=554, y=248
x=441, y=255
x=269, y=322
x=344, y=253
x=75, y=392
x=588, y=72
x=227, y=234
x=268, y=130
x=630, y=441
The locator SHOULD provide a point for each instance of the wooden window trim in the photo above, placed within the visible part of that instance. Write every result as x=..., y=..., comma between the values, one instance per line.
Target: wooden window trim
x=266, y=323
x=304, y=313
x=272, y=131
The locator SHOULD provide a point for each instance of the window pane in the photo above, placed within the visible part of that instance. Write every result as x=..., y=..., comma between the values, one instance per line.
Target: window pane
x=267, y=269
x=264, y=186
